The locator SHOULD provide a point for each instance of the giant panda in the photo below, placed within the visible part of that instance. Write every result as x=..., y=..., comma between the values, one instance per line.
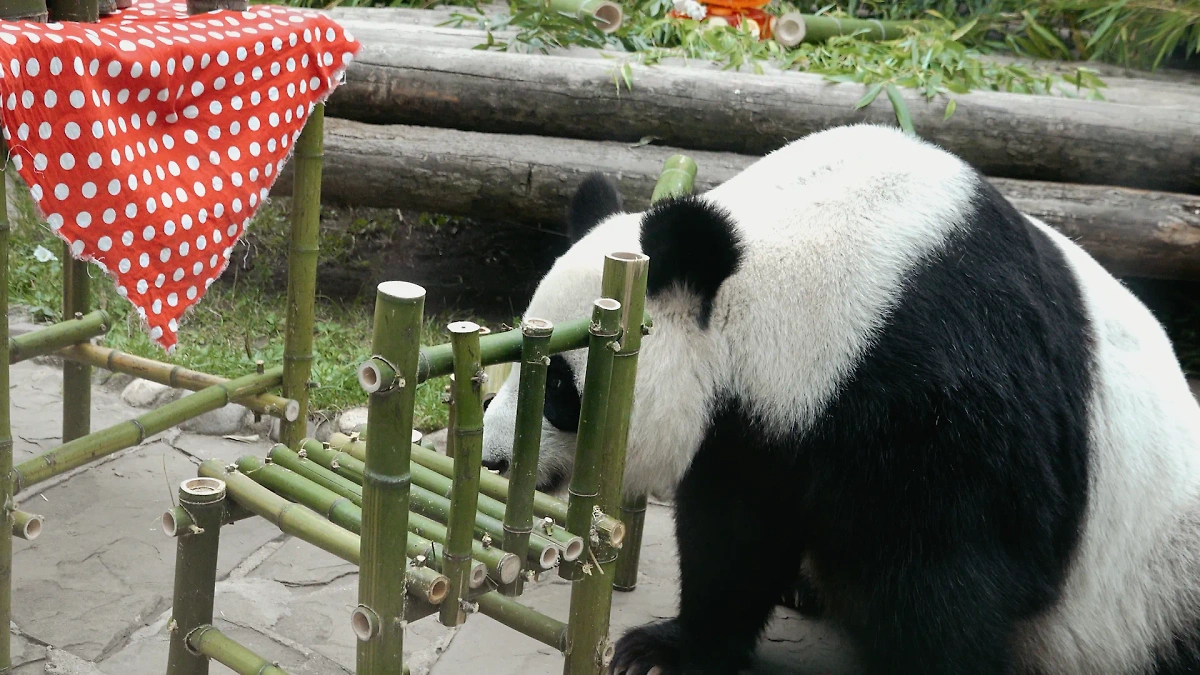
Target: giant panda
x=869, y=369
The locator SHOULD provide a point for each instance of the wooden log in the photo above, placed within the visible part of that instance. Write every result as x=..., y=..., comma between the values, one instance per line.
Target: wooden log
x=1006, y=135
x=529, y=180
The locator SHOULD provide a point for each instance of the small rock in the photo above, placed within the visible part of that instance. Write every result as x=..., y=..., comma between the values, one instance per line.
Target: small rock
x=115, y=382
x=323, y=431
x=145, y=394
x=220, y=422
x=65, y=663
x=352, y=420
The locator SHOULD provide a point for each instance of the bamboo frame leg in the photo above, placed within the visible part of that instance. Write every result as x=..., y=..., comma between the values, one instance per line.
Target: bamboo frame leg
x=197, y=524
x=468, y=462
x=6, y=442
x=588, y=648
x=518, y=512
x=390, y=378
x=302, y=273
x=77, y=377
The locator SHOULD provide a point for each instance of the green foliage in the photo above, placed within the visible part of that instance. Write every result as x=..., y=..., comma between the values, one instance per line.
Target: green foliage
x=1138, y=33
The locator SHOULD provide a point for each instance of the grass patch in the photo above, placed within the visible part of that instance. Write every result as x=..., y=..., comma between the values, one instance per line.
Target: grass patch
x=236, y=323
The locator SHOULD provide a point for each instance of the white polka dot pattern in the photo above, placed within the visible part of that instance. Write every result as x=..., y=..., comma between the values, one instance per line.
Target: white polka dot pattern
x=150, y=139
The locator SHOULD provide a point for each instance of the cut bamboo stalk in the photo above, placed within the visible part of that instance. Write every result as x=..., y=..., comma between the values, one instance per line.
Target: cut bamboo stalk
x=431, y=495
x=589, y=650
x=173, y=376
x=6, y=442
x=211, y=643
x=54, y=337
x=26, y=526
x=527, y=439
x=302, y=271
x=584, y=488
x=292, y=461
x=77, y=377
x=202, y=501
x=547, y=630
x=678, y=177
x=451, y=417
x=793, y=28
x=302, y=523
x=342, y=511
x=126, y=434
x=396, y=343
x=468, y=463
x=609, y=528
x=606, y=16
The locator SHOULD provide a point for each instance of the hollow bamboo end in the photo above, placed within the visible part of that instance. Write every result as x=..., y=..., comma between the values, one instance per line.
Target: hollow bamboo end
x=438, y=591
x=370, y=377
x=170, y=523
x=27, y=526
x=463, y=327
x=628, y=257
x=364, y=622
x=203, y=489
x=416, y=437
x=478, y=575
x=510, y=567
x=291, y=412
x=617, y=536
x=607, y=15
x=548, y=558
x=573, y=549
x=401, y=290
x=789, y=29
x=608, y=304
x=534, y=327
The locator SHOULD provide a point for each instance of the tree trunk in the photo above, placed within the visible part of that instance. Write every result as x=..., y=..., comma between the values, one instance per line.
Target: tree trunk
x=396, y=81
x=530, y=179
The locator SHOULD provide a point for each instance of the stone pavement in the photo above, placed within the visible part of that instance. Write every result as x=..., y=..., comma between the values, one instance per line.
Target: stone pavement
x=92, y=594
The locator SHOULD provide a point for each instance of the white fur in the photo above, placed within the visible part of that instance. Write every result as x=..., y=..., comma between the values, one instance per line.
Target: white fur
x=831, y=224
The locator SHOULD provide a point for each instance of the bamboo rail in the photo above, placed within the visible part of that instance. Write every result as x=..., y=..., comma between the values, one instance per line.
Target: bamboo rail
x=174, y=376
x=302, y=272
x=57, y=336
x=6, y=440
x=201, y=505
x=126, y=434
x=211, y=643
x=391, y=384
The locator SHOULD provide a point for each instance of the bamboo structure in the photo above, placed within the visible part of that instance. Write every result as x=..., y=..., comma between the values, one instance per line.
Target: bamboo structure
x=527, y=438
x=57, y=336
x=77, y=377
x=606, y=16
x=468, y=462
x=201, y=499
x=211, y=643
x=678, y=177
x=390, y=380
x=26, y=526
x=126, y=434
x=6, y=440
x=793, y=28
x=170, y=375
x=302, y=272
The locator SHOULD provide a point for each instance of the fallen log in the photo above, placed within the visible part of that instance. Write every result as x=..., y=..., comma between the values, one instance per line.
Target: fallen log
x=530, y=179
x=1005, y=135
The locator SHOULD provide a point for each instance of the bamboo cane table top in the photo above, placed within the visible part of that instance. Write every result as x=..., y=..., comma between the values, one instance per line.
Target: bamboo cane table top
x=149, y=139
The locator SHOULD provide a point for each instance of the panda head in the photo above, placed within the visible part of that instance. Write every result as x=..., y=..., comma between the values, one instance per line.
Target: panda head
x=670, y=233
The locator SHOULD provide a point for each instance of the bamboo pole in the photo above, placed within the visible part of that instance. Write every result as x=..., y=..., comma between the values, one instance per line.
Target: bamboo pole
x=211, y=643
x=302, y=523
x=547, y=630
x=6, y=442
x=605, y=15
x=431, y=493
x=527, y=439
x=468, y=463
x=202, y=500
x=57, y=336
x=302, y=271
x=609, y=528
x=292, y=461
x=584, y=489
x=793, y=28
x=390, y=378
x=126, y=434
x=451, y=417
x=77, y=377
x=173, y=376
x=26, y=526
x=677, y=178
x=588, y=649
x=342, y=511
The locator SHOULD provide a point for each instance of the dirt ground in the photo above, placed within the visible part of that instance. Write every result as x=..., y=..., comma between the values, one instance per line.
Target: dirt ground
x=93, y=593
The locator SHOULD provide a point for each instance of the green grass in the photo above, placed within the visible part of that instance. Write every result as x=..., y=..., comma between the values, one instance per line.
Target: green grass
x=236, y=322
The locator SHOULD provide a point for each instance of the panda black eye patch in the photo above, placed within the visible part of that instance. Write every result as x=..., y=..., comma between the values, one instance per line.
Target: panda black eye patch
x=563, y=404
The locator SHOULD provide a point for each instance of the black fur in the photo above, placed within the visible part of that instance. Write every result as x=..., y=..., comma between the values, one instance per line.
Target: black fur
x=692, y=244
x=938, y=497
x=594, y=201
x=563, y=403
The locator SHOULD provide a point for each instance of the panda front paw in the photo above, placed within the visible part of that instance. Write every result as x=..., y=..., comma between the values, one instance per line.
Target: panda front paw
x=654, y=648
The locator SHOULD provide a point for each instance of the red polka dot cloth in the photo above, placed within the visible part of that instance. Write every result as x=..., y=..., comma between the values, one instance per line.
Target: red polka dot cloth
x=148, y=140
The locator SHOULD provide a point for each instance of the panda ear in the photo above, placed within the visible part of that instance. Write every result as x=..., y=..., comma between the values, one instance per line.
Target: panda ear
x=595, y=200
x=693, y=245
